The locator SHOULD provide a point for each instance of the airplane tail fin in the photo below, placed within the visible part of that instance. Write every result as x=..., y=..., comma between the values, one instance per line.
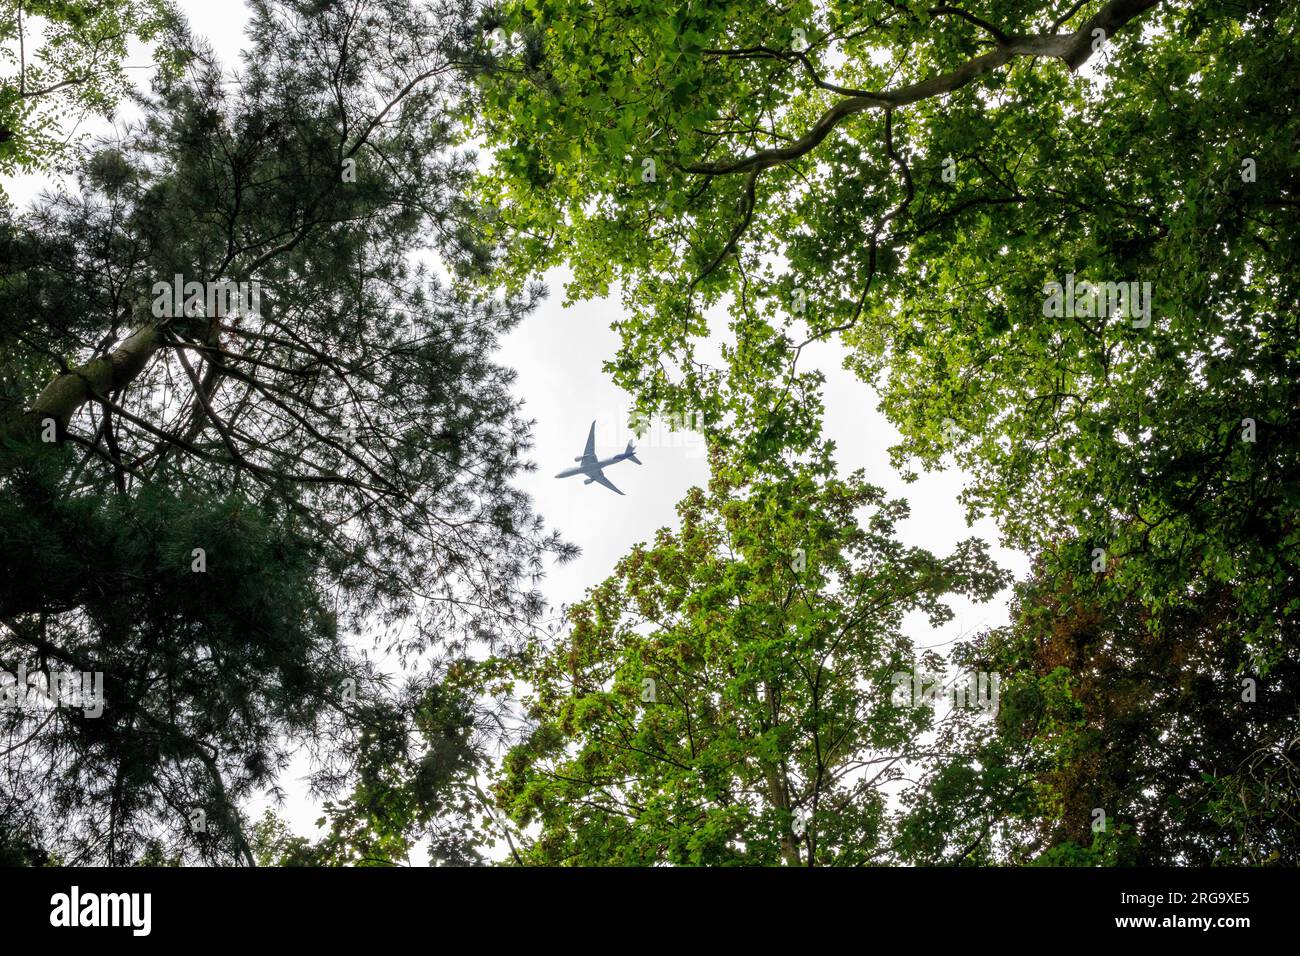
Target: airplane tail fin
x=630, y=453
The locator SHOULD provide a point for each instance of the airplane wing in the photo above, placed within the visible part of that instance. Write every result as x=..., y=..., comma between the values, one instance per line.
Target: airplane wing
x=589, y=453
x=600, y=476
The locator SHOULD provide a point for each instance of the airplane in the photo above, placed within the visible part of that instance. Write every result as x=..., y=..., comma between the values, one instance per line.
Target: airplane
x=590, y=465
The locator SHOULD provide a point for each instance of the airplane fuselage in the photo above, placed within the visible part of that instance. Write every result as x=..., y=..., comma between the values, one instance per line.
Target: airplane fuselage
x=591, y=467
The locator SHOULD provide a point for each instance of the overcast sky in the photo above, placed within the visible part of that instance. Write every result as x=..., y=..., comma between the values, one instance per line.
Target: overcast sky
x=558, y=353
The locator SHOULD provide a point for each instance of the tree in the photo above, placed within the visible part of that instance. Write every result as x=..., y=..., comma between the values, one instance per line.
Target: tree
x=205, y=494
x=725, y=697
x=1113, y=744
x=814, y=208
x=412, y=787
x=69, y=58
x=684, y=152
x=923, y=184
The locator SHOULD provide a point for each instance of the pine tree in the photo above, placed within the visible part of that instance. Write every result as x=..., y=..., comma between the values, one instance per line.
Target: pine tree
x=204, y=496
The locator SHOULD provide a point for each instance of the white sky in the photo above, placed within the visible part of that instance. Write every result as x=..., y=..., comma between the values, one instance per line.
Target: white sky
x=558, y=354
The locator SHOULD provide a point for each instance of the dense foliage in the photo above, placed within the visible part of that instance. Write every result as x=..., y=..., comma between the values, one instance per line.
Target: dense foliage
x=217, y=507
x=727, y=696
x=922, y=184
x=1058, y=240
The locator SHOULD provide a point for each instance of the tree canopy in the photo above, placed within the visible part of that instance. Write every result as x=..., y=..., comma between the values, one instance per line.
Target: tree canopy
x=1058, y=240
x=67, y=59
x=726, y=697
x=203, y=500
x=251, y=419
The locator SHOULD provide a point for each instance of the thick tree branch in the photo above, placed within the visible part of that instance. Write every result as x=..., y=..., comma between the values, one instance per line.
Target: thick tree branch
x=1073, y=49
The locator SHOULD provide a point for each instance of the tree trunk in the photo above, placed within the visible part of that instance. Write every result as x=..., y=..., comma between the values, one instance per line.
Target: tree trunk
x=68, y=391
x=779, y=798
